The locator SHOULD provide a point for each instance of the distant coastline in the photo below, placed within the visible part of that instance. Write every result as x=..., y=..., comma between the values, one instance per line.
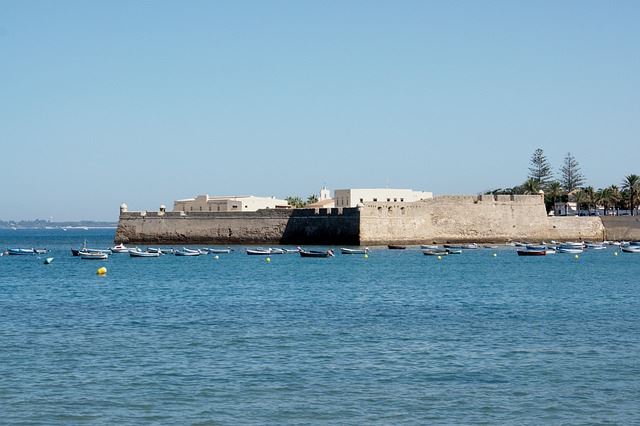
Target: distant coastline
x=45, y=224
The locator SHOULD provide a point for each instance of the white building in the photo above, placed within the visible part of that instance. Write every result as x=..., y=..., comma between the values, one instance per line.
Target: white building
x=324, y=201
x=353, y=197
x=204, y=203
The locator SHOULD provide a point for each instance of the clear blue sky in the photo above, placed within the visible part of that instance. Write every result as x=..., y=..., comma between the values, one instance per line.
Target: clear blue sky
x=147, y=102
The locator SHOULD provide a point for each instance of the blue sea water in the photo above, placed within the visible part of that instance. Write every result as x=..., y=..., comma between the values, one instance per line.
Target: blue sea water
x=398, y=338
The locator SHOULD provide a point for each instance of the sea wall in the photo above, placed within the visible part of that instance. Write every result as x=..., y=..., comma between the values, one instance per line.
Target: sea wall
x=618, y=228
x=271, y=226
x=484, y=218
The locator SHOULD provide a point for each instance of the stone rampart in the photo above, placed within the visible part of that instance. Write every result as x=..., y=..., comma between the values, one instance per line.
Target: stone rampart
x=619, y=228
x=271, y=226
x=470, y=219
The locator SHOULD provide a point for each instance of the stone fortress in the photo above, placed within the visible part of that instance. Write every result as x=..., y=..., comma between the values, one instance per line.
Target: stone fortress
x=373, y=217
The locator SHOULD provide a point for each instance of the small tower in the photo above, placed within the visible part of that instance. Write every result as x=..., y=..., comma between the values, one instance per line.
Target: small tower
x=325, y=194
x=124, y=208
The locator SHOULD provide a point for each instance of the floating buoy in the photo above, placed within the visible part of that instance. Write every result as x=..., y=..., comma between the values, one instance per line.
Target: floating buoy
x=48, y=260
x=577, y=257
x=268, y=259
x=216, y=257
x=495, y=254
x=439, y=257
x=366, y=256
x=101, y=271
x=615, y=253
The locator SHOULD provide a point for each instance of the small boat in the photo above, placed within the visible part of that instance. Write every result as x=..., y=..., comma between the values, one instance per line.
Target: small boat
x=454, y=251
x=630, y=249
x=291, y=251
x=396, y=247
x=135, y=253
x=119, y=248
x=344, y=250
x=41, y=251
x=220, y=250
x=93, y=256
x=259, y=252
x=489, y=246
x=532, y=252
x=161, y=251
x=435, y=252
x=20, y=251
x=429, y=247
x=48, y=260
x=595, y=246
x=187, y=252
x=569, y=250
x=316, y=253
x=551, y=250
x=471, y=246
x=453, y=246
x=536, y=247
x=277, y=251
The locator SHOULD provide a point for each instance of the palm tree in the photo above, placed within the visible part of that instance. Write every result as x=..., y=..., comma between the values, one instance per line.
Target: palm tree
x=295, y=201
x=554, y=192
x=615, y=197
x=531, y=186
x=632, y=184
x=581, y=198
x=590, y=197
x=313, y=198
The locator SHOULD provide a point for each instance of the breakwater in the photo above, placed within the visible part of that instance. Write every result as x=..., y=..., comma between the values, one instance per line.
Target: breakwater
x=484, y=218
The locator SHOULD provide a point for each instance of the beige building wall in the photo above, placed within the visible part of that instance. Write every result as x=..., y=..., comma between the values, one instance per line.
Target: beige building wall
x=355, y=197
x=204, y=203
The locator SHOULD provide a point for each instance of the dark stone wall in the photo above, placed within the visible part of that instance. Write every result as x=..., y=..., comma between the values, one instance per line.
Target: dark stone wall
x=618, y=228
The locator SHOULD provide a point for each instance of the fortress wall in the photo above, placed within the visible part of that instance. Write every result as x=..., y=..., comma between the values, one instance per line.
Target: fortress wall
x=575, y=228
x=619, y=228
x=468, y=219
x=271, y=226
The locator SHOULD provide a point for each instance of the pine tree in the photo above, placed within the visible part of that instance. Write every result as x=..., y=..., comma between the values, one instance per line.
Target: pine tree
x=571, y=177
x=540, y=169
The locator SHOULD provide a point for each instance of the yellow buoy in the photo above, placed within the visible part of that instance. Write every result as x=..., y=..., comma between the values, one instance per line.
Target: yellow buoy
x=102, y=271
x=615, y=253
x=439, y=257
x=577, y=256
x=366, y=256
x=268, y=259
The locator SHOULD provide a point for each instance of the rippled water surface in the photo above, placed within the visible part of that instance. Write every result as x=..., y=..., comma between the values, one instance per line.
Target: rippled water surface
x=398, y=338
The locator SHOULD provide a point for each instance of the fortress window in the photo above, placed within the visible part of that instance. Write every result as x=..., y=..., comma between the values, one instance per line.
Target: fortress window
x=395, y=200
x=402, y=200
x=234, y=207
x=375, y=200
x=361, y=200
x=388, y=199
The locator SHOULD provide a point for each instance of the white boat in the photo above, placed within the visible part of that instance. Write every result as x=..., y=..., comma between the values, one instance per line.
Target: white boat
x=93, y=256
x=471, y=246
x=277, y=251
x=259, y=251
x=429, y=247
x=119, y=248
x=550, y=250
x=41, y=251
x=630, y=249
x=220, y=250
x=161, y=251
x=344, y=250
x=133, y=253
x=569, y=250
x=20, y=251
x=595, y=246
x=187, y=252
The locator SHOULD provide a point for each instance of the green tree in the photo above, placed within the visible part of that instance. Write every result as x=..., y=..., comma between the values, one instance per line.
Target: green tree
x=571, y=177
x=615, y=197
x=554, y=192
x=631, y=183
x=295, y=201
x=590, y=197
x=531, y=186
x=313, y=198
x=581, y=199
x=540, y=169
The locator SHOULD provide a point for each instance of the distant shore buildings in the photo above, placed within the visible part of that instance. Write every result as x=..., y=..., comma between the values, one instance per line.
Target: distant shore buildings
x=245, y=203
x=355, y=197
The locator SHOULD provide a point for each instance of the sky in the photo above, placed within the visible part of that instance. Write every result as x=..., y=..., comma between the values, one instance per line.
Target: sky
x=145, y=102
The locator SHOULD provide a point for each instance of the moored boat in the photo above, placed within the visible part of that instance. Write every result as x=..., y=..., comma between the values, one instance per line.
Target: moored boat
x=220, y=250
x=93, y=256
x=532, y=252
x=429, y=247
x=630, y=249
x=454, y=251
x=187, y=252
x=344, y=250
x=119, y=248
x=135, y=253
x=431, y=252
x=260, y=251
x=20, y=251
x=396, y=247
x=316, y=253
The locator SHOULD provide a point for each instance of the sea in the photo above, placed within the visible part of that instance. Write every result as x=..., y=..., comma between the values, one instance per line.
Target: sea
x=396, y=338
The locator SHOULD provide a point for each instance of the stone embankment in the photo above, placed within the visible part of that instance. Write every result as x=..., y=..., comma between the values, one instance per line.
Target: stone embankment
x=442, y=219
